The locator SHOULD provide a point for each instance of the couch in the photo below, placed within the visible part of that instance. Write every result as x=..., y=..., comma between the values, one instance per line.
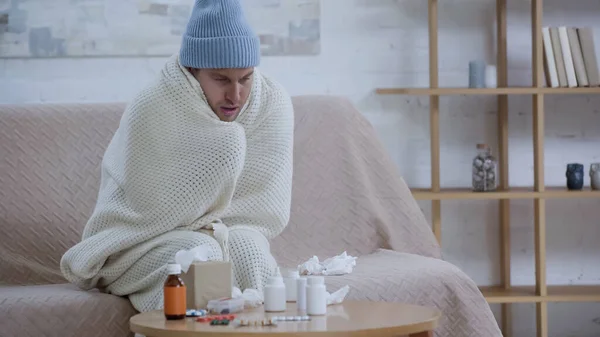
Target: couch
x=347, y=196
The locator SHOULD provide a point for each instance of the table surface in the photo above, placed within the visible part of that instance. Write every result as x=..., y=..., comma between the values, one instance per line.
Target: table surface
x=350, y=318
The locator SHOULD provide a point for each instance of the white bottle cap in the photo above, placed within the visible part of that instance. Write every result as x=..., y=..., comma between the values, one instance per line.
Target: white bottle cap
x=316, y=280
x=276, y=281
x=292, y=273
x=174, y=269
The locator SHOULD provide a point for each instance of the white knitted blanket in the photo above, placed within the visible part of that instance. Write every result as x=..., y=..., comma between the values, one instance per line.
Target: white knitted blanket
x=172, y=172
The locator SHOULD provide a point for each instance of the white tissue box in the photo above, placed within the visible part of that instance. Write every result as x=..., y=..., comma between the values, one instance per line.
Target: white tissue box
x=205, y=281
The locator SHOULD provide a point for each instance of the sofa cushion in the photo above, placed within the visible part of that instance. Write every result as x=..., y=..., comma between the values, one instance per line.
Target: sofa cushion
x=62, y=310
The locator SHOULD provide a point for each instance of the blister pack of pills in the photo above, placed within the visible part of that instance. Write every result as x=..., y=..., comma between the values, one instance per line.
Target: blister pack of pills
x=196, y=313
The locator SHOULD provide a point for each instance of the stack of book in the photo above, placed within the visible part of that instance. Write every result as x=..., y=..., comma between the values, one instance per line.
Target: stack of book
x=570, y=57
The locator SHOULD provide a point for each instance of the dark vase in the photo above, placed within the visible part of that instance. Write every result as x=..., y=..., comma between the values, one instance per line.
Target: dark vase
x=574, y=176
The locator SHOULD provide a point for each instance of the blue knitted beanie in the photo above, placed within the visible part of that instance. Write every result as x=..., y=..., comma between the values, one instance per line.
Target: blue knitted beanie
x=219, y=36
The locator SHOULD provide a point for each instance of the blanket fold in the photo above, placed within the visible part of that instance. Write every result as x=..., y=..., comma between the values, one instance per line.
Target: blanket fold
x=173, y=170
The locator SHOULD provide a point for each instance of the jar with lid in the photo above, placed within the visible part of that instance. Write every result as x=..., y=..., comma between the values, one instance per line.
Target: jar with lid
x=316, y=296
x=175, y=305
x=484, y=170
x=289, y=280
x=274, y=294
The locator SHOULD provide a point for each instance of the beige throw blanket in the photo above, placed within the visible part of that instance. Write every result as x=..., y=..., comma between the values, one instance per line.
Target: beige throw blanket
x=174, y=169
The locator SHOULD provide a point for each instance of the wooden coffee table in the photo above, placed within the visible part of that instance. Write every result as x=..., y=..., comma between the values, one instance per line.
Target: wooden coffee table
x=351, y=318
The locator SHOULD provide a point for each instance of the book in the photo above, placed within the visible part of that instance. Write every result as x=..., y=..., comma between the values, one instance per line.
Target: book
x=586, y=40
x=558, y=56
x=549, y=61
x=578, y=63
x=567, y=57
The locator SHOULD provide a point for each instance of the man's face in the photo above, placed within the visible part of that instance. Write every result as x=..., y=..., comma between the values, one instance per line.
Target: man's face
x=225, y=89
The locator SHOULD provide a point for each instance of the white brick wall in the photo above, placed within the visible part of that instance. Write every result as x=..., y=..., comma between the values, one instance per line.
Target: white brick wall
x=374, y=43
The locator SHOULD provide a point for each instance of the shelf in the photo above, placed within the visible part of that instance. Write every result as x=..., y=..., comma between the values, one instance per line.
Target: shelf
x=486, y=91
x=512, y=295
x=513, y=193
x=526, y=294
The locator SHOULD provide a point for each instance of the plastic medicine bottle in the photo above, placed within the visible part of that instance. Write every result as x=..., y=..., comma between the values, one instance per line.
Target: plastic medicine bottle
x=175, y=305
x=301, y=294
x=316, y=296
x=290, y=284
x=274, y=293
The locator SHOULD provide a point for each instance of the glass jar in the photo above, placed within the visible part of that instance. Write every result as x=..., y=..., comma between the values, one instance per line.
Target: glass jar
x=484, y=170
x=174, y=293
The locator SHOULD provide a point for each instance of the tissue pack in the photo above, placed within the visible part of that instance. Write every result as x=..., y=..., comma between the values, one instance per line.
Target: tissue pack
x=207, y=280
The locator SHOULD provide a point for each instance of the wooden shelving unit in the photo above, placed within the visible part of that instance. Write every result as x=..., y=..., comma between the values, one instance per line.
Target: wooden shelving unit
x=510, y=193
x=504, y=293
x=527, y=294
x=486, y=91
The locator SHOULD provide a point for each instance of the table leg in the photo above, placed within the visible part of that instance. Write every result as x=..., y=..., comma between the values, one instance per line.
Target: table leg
x=422, y=334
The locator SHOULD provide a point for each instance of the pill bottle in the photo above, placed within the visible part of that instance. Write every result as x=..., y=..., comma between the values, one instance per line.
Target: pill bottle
x=174, y=294
x=274, y=293
x=290, y=284
x=316, y=296
x=301, y=294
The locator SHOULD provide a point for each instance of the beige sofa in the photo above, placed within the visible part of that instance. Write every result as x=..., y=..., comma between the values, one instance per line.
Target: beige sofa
x=347, y=196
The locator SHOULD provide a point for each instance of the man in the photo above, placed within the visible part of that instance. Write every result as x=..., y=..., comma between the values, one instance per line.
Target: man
x=202, y=156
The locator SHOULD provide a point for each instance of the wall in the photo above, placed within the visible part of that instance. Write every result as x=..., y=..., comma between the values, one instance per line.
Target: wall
x=383, y=43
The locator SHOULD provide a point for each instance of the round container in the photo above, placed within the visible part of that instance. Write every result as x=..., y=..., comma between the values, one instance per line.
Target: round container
x=476, y=74
x=491, y=80
x=301, y=294
x=595, y=176
x=484, y=170
x=575, y=176
x=174, y=294
x=290, y=284
x=274, y=293
x=316, y=296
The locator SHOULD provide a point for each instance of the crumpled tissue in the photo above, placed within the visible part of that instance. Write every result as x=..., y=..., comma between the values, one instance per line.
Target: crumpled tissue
x=338, y=296
x=252, y=297
x=337, y=265
x=196, y=254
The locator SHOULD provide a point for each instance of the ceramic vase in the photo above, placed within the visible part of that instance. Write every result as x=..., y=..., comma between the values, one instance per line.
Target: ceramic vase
x=595, y=176
x=574, y=176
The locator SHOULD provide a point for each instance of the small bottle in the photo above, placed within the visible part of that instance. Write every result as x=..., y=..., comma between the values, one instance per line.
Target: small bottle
x=175, y=305
x=484, y=170
x=274, y=293
x=301, y=294
x=316, y=296
x=290, y=285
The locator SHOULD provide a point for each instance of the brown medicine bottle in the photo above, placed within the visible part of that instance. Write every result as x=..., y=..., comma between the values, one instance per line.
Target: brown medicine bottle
x=174, y=294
